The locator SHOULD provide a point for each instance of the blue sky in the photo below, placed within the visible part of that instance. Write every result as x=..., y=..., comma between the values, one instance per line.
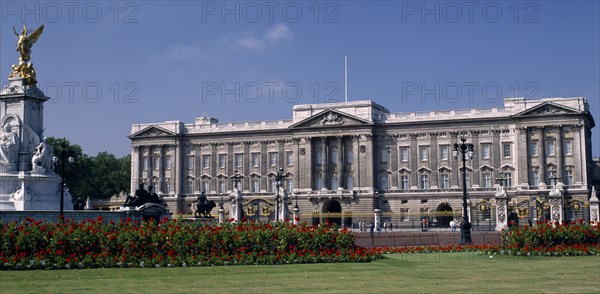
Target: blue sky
x=110, y=64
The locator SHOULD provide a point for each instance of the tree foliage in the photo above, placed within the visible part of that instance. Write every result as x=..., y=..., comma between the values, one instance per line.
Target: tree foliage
x=100, y=176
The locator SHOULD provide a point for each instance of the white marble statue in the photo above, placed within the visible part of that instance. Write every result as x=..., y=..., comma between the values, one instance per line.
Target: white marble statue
x=42, y=158
x=9, y=145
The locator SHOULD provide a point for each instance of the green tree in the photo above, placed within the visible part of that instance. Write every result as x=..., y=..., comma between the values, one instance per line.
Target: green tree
x=100, y=176
x=76, y=172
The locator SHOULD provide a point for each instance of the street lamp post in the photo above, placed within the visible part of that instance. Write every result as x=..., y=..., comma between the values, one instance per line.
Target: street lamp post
x=279, y=177
x=465, y=149
x=62, y=156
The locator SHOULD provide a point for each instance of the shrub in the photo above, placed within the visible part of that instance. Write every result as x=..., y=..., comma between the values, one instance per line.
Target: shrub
x=95, y=243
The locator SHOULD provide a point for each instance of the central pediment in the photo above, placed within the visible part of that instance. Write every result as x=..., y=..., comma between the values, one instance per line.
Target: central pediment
x=152, y=131
x=331, y=118
x=546, y=108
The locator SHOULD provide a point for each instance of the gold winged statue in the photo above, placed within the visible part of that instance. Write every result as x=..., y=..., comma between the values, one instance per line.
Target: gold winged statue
x=25, y=69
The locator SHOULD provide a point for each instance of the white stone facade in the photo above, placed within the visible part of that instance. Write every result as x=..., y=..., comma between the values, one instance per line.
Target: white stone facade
x=344, y=160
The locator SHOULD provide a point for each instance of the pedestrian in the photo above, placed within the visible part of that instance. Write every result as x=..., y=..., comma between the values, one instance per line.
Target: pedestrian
x=378, y=229
x=453, y=225
x=371, y=228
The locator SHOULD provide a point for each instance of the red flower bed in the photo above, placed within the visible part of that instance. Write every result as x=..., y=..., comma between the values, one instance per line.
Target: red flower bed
x=43, y=245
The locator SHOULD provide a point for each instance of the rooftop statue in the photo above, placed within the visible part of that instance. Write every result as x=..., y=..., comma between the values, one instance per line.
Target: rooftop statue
x=25, y=68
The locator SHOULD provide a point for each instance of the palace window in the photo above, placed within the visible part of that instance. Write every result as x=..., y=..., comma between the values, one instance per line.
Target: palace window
x=508, y=176
x=273, y=158
x=384, y=154
x=404, y=154
x=506, y=150
x=533, y=148
x=424, y=153
x=190, y=162
x=221, y=186
x=569, y=177
x=254, y=188
x=272, y=185
x=239, y=160
x=383, y=182
x=255, y=159
x=168, y=162
x=444, y=152
x=167, y=186
x=190, y=186
x=424, y=181
x=289, y=155
x=206, y=161
x=534, y=178
x=155, y=162
x=550, y=148
x=568, y=147
x=444, y=181
x=486, y=179
x=290, y=185
x=486, y=150
x=222, y=160
x=205, y=186
x=404, y=182
x=145, y=163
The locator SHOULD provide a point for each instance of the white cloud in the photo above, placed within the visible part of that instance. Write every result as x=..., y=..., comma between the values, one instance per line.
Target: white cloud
x=184, y=52
x=278, y=32
x=252, y=43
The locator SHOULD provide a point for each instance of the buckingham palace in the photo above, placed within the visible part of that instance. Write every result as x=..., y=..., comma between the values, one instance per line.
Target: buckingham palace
x=343, y=161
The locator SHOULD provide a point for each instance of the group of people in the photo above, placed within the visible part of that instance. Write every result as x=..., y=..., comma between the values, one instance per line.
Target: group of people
x=454, y=224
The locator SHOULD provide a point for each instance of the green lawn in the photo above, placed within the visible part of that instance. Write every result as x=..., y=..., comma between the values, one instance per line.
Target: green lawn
x=420, y=273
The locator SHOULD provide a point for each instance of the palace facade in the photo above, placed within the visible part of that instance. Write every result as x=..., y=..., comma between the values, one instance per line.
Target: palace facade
x=344, y=160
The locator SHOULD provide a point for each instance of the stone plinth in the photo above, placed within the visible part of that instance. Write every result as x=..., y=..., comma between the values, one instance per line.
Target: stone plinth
x=31, y=191
x=501, y=210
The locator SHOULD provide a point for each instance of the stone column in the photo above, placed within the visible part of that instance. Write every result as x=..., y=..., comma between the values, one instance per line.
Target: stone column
x=356, y=160
x=475, y=179
x=246, y=166
x=229, y=165
x=579, y=170
x=413, y=158
x=501, y=210
x=559, y=152
x=394, y=162
x=522, y=150
x=213, y=167
x=496, y=149
x=264, y=163
x=594, y=207
x=453, y=161
x=433, y=159
x=308, y=168
x=325, y=161
x=135, y=168
x=340, y=165
x=542, y=158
